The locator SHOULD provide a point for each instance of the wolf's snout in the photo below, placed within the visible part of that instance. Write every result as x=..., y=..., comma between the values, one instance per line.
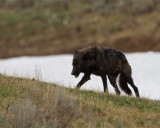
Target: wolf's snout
x=75, y=73
x=72, y=73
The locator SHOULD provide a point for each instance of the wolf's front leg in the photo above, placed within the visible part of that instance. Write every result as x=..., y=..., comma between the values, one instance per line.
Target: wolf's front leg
x=84, y=79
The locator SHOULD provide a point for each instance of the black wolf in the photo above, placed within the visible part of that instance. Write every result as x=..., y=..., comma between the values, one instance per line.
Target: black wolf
x=104, y=61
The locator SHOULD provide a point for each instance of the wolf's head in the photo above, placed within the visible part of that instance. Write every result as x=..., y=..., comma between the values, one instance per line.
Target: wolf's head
x=83, y=61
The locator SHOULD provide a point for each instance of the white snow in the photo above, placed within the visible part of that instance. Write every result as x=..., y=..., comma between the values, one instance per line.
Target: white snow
x=57, y=69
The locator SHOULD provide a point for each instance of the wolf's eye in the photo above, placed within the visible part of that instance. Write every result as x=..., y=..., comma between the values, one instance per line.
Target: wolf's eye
x=75, y=63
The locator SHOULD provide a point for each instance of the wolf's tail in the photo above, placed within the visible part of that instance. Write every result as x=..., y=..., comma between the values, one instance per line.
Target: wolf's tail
x=124, y=75
x=123, y=84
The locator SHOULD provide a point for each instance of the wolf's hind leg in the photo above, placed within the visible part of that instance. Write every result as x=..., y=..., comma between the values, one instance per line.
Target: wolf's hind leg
x=112, y=80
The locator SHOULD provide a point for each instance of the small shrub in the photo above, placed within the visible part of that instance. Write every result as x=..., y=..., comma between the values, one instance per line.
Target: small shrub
x=24, y=112
x=59, y=110
x=4, y=122
x=118, y=124
x=143, y=7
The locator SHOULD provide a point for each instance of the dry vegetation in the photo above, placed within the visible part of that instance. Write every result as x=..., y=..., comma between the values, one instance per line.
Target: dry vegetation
x=43, y=27
x=28, y=103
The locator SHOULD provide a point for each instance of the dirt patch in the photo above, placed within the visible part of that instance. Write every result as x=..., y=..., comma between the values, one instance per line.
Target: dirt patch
x=52, y=47
x=137, y=44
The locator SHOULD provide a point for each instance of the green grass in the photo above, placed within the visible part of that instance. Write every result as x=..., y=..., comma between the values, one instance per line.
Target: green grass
x=30, y=103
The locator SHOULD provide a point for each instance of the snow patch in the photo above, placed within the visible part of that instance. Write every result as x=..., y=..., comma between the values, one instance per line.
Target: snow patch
x=57, y=69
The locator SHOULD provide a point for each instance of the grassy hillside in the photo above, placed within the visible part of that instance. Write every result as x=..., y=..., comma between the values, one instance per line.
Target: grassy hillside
x=33, y=27
x=33, y=104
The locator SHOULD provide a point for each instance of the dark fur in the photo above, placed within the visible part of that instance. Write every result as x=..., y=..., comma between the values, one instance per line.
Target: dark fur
x=104, y=61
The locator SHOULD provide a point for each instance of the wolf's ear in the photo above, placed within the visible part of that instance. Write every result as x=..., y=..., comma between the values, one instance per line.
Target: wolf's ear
x=76, y=52
x=95, y=49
